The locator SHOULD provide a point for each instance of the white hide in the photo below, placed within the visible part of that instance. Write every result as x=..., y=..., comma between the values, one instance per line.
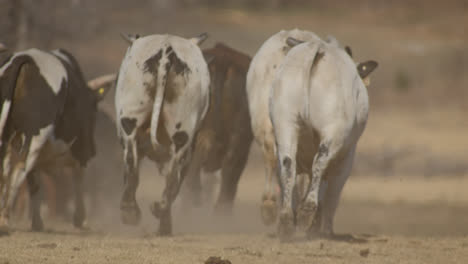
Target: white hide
x=262, y=72
x=319, y=89
x=49, y=66
x=132, y=99
x=3, y=117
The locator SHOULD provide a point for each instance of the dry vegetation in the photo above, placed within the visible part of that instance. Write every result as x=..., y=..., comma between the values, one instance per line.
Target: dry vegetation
x=406, y=198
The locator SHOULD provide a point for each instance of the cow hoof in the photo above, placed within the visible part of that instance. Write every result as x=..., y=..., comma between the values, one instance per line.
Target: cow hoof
x=164, y=232
x=313, y=232
x=130, y=215
x=286, y=226
x=269, y=211
x=79, y=220
x=157, y=209
x=4, y=228
x=306, y=215
x=37, y=225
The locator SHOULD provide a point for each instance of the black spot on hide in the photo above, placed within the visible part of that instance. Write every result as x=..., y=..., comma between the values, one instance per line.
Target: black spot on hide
x=287, y=163
x=178, y=66
x=151, y=65
x=323, y=150
x=128, y=124
x=180, y=139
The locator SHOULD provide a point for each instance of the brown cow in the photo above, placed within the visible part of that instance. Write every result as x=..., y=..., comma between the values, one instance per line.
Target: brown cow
x=224, y=140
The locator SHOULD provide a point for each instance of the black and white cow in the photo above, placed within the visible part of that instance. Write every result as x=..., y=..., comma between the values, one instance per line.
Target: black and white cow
x=47, y=111
x=163, y=86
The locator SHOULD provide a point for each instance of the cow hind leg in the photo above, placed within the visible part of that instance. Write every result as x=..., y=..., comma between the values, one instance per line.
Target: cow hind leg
x=174, y=172
x=327, y=151
x=269, y=206
x=287, y=139
x=79, y=216
x=192, y=193
x=130, y=211
x=162, y=209
x=35, y=201
x=32, y=146
x=337, y=179
x=232, y=168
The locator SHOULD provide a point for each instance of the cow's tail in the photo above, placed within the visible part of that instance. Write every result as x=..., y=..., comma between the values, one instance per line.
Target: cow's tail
x=10, y=72
x=161, y=79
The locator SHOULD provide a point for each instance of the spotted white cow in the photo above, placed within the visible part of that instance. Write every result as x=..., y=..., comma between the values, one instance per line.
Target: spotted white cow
x=163, y=86
x=318, y=108
x=47, y=111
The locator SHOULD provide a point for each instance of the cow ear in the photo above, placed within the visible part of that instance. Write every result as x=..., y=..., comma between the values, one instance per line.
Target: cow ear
x=366, y=68
x=102, y=85
x=198, y=40
x=293, y=42
x=348, y=50
x=129, y=37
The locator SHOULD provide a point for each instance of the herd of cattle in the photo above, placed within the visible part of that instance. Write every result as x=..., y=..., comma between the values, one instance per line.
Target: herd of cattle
x=303, y=99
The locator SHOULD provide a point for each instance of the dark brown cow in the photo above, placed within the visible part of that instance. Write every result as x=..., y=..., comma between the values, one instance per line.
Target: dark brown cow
x=224, y=140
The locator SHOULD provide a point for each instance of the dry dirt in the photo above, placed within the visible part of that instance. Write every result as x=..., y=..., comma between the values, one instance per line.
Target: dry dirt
x=414, y=210
x=397, y=219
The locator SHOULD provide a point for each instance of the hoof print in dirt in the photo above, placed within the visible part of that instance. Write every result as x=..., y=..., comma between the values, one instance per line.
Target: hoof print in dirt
x=217, y=260
x=47, y=245
x=364, y=252
x=4, y=232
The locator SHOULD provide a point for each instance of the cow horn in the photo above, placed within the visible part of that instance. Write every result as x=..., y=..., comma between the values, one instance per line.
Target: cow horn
x=332, y=41
x=129, y=37
x=98, y=82
x=200, y=38
x=2, y=47
x=293, y=42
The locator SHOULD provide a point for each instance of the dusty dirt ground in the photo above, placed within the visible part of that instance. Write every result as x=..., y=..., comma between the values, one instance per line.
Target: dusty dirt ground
x=406, y=201
x=395, y=219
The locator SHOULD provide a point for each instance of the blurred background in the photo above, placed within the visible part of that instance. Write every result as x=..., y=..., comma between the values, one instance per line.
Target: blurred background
x=412, y=160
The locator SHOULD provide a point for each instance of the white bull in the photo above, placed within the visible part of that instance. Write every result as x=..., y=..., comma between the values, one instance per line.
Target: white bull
x=318, y=108
x=260, y=76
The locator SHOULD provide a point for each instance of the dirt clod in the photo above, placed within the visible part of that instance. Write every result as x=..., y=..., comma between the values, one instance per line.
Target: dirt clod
x=217, y=260
x=364, y=252
x=47, y=245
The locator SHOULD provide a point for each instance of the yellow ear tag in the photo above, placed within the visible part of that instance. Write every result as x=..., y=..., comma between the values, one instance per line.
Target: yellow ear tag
x=364, y=67
x=101, y=91
x=366, y=81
